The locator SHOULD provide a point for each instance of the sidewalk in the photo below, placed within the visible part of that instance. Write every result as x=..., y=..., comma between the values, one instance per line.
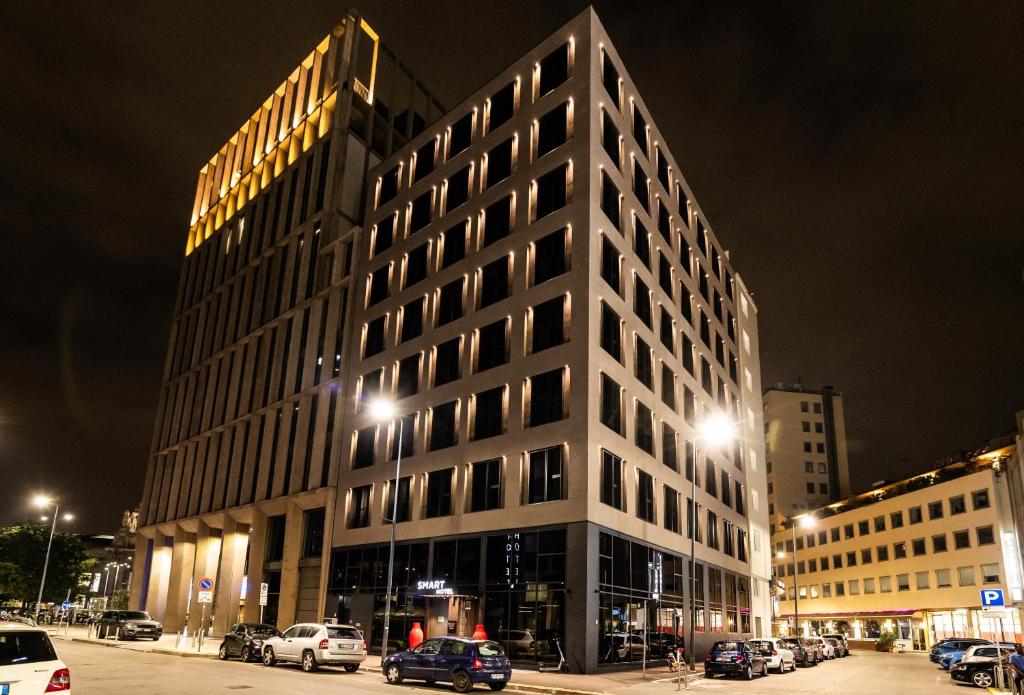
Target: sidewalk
x=164, y=645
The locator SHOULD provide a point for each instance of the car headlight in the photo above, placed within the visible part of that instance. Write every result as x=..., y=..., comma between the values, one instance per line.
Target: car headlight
x=130, y=626
x=257, y=642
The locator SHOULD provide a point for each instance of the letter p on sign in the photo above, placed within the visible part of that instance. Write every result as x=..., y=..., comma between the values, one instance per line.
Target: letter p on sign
x=991, y=597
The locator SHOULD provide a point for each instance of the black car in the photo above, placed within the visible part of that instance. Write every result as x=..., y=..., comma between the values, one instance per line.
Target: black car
x=953, y=644
x=980, y=673
x=246, y=641
x=803, y=654
x=128, y=625
x=734, y=657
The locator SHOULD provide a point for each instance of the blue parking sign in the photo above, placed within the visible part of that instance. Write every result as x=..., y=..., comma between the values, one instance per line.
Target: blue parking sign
x=991, y=597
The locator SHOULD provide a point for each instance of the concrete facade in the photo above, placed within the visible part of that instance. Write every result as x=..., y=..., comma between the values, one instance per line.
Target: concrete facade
x=805, y=434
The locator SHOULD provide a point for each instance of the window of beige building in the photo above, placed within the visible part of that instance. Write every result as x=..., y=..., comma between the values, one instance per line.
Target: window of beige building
x=990, y=574
x=921, y=579
x=965, y=576
x=903, y=582
x=942, y=579
x=885, y=584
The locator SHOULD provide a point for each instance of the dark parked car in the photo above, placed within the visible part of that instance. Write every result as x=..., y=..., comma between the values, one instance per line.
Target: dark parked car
x=980, y=673
x=128, y=625
x=805, y=653
x=457, y=660
x=246, y=641
x=841, y=639
x=734, y=657
x=955, y=644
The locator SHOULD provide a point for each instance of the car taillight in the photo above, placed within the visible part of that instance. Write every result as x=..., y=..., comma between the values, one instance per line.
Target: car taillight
x=739, y=658
x=477, y=664
x=60, y=680
x=364, y=645
x=774, y=653
x=324, y=644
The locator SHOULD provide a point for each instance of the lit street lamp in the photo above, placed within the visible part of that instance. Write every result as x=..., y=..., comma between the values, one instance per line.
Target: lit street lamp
x=807, y=522
x=716, y=430
x=44, y=502
x=383, y=411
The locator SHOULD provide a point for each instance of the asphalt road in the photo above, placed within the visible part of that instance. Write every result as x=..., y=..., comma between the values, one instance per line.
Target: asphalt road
x=100, y=670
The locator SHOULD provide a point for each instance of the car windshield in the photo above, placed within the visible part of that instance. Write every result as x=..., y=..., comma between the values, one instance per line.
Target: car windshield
x=490, y=649
x=25, y=648
x=335, y=632
x=792, y=643
x=726, y=647
x=263, y=630
x=133, y=615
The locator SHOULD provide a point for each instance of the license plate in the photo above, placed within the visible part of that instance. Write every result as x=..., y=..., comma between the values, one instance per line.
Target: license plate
x=497, y=676
x=724, y=658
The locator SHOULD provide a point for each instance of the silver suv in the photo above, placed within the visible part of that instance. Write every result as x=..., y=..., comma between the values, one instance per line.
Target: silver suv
x=316, y=644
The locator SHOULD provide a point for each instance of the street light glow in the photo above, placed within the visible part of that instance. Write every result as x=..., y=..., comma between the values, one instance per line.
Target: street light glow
x=41, y=501
x=382, y=410
x=68, y=517
x=807, y=522
x=717, y=430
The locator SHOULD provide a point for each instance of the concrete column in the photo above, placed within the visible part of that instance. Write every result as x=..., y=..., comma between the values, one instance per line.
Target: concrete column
x=581, y=601
x=256, y=554
x=234, y=544
x=159, y=576
x=183, y=557
x=290, y=567
x=325, y=557
x=143, y=555
x=207, y=557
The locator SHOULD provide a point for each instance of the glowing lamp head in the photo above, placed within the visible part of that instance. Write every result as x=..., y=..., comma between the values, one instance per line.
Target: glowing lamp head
x=382, y=410
x=780, y=555
x=41, y=501
x=807, y=522
x=718, y=430
x=68, y=517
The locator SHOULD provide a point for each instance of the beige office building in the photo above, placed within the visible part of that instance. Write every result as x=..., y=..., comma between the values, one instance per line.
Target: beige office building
x=805, y=438
x=911, y=557
x=544, y=299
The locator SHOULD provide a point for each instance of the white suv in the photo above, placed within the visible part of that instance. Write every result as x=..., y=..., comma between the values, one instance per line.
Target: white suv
x=314, y=644
x=28, y=662
x=776, y=653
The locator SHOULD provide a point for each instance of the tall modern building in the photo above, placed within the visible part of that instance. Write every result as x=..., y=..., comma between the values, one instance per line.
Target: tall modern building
x=805, y=434
x=244, y=463
x=530, y=280
x=541, y=296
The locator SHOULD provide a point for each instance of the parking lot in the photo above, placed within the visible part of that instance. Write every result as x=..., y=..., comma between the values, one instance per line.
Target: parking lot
x=101, y=669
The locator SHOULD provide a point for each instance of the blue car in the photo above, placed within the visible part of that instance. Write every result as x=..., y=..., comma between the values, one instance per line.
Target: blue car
x=953, y=644
x=457, y=660
x=950, y=659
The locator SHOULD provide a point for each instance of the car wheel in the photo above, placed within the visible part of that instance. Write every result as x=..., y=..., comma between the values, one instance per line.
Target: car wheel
x=308, y=661
x=268, y=657
x=765, y=669
x=782, y=665
x=246, y=654
x=393, y=674
x=497, y=686
x=982, y=679
x=461, y=682
x=222, y=653
x=351, y=668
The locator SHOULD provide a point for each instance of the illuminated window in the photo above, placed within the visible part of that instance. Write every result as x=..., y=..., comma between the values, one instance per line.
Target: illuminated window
x=550, y=257
x=461, y=135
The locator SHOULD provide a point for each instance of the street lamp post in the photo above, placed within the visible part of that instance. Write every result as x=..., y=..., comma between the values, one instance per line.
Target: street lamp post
x=717, y=429
x=384, y=411
x=43, y=502
x=806, y=522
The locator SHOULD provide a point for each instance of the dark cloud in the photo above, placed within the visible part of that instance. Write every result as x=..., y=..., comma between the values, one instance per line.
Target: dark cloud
x=860, y=160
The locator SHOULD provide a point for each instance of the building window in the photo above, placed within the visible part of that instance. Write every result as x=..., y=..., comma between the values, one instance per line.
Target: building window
x=554, y=70
x=918, y=546
x=899, y=550
x=865, y=556
x=486, y=493
x=492, y=345
x=915, y=515
x=851, y=559
x=406, y=428
x=986, y=536
x=453, y=244
x=882, y=552
x=611, y=404
x=359, y=512
x=548, y=324
x=610, y=139
x=388, y=186
x=642, y=302
x=611, y=262
x=447, y=361
x=439, y=493
x=545, y=475
x=378, y=285
x=965, y=576
x=460, y=136
x=990, y=574
x=551, y=191
x=921, y=580
x=879, y=523
x=420, y=210
x=489, y=415
x=643, y=368
x=810, y=488
x=499, y=163
x=863, y=528
x=712, y=530
x=450, y=301
x=885, y=584
x=939, y=543
x=896, y=519
x=668, y=386
x=611, y=81
x=412, y=319
x=645, y=496
x=501, y=106
x=644, y=428
x=552, y=129
x=640, y=131
x=611, y=480
x=494, y=282
x=979, y=499
x=408, y=376
x=961, y=540
x=374, y=340
x=671, y=509
x=443, y=433
x=611, y=332
x=903, y=582
x=546, y=402
x=497, y=222
x=458, y=184
x=934, y=510
x=610, y=200
x=641, y=242
x=383, y=235
x=424, y=158
x=641, y=185
x=549, y=257
x=668, y=331
x=404, y=510
x=942, y=579
x=366, y=445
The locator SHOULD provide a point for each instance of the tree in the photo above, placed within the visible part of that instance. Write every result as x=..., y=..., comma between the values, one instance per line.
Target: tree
x=119, y=600
x=23, y=549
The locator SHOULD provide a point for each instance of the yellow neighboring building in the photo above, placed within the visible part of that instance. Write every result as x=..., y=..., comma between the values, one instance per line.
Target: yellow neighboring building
x=910, y=557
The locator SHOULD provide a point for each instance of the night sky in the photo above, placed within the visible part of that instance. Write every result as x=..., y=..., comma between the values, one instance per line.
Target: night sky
x=862, y=163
